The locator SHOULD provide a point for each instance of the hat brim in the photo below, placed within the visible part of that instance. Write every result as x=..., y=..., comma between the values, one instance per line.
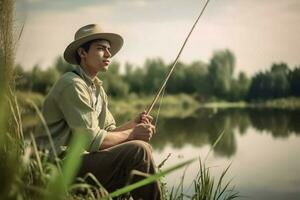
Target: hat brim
x=115, y=40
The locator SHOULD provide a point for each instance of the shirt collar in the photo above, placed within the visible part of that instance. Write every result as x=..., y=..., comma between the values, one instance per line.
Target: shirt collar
x=89, y=81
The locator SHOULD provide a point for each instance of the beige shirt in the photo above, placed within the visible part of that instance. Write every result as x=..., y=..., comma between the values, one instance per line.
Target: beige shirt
x=75, y=104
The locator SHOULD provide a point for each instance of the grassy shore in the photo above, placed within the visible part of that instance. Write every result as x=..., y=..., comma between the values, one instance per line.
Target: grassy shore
x=290, y=103
x=179, y=105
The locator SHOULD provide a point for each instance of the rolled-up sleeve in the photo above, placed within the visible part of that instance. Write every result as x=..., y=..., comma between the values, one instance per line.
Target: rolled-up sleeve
x=75, y=104
x=110, y=123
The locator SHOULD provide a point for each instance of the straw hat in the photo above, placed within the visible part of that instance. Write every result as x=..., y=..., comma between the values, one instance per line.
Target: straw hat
x=88, y=33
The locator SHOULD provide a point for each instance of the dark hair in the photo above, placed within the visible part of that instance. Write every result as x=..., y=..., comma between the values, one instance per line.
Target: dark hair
x=86, y=46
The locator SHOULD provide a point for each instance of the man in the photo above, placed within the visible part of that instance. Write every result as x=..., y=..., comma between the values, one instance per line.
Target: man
x=78, y=103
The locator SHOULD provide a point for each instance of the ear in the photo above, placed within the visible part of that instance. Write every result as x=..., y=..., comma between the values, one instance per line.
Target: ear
x=81, y=52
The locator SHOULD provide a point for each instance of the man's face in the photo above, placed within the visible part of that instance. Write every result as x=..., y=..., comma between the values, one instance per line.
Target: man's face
x=98, y=57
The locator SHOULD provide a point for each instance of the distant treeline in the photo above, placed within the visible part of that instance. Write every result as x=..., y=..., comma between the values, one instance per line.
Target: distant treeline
x=207, y=81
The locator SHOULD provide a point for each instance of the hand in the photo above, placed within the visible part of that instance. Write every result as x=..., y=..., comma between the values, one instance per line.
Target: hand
x=142, y=132
x=143, y=118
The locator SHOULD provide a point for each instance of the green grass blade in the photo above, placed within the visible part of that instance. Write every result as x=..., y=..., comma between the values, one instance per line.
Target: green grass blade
x=58, y=185
x=73, y=158
x=218, y=188
x=41, y=117
x=224, y=189
x=38, y=159
x=214, y=144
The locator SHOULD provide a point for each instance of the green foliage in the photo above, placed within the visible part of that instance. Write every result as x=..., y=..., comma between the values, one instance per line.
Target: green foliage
x=60, y=181
x=113, y=82
x=155, y=71
x=239, y=88
x=206, y=189
x=271, y=84
x=205, y=82
x=221, y=70
x=37, y=80
x=176, y=81
x=294, y=78
x=62, y=66
x=134, y=78
x=196, y=79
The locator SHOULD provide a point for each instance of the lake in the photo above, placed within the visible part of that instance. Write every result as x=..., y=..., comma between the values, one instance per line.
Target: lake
x=262, y=145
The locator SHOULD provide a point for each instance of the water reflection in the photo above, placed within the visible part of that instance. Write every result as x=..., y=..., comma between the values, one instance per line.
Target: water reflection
x=203, y=127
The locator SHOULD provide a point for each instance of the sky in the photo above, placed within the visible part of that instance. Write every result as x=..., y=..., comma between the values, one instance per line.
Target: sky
x=258, y=32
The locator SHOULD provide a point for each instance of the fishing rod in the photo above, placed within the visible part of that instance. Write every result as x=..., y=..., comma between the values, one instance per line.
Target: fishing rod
x=175, y=62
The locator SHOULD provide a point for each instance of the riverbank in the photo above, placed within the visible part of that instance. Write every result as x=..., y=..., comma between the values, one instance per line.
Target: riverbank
x=290, y=103
x=179, y=105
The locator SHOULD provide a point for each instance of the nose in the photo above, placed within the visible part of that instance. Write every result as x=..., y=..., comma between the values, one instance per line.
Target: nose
x=107, y=53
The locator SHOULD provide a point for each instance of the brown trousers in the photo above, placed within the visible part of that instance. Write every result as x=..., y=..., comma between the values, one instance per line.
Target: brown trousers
x=112, y=167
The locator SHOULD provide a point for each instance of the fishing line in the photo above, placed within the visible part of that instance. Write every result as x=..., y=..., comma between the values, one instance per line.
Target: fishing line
x=160, y=103
x=175, y=62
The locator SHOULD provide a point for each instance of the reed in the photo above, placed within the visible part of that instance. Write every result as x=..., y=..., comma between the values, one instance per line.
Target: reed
x=11, y=138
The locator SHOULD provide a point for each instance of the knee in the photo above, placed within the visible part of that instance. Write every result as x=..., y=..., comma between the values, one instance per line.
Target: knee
x=139, y=144
x=141, y=149
x=140, y=156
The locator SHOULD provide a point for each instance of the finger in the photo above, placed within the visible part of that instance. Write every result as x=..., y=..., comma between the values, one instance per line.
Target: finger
x=153, y=130
x=142, y=114
x=151, y=126
x=145, y=137
x=149, y=117
x=140, y=117
x=145, y=121
x=148, y=125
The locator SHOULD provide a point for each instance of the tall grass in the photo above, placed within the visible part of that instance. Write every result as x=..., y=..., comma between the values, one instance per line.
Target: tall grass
x=11, y=146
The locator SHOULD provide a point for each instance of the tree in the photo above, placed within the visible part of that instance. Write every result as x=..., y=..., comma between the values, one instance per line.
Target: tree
x=22, y=78
x=221, y=69
x=281, y=85
x=176, y=83
x=113, y=82
x=155, y=72
x=62, y=66
x=42, y=81
x=294, y=79
x=271, y=84
x=135, y=78
x=239, y=87
x=196, y=79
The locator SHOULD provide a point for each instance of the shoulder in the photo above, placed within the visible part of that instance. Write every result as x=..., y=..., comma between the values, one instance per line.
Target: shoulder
x=68, y=81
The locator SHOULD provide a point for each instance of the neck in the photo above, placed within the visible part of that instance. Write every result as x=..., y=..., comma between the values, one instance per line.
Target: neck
x=92, y=74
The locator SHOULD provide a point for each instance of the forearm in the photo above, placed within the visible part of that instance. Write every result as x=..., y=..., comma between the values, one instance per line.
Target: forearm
x=115, y=137
x=126, y=126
